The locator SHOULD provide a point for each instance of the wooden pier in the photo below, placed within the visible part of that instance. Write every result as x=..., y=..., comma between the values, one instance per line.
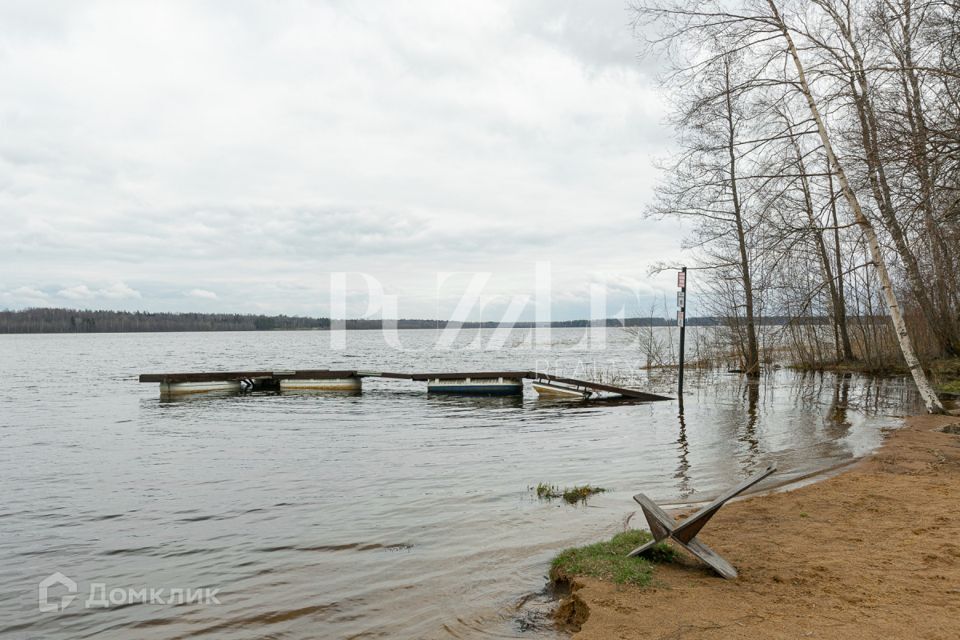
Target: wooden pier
x=464, y=383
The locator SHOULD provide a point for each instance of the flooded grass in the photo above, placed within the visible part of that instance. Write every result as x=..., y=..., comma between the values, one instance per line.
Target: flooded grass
x=573, y=495
x=946, y=375
x=547, y=491
x=580, y=493
x=608, y=560
x=951, y=387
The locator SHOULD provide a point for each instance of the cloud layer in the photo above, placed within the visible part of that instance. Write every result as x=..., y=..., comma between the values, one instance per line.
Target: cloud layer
x=209, y=156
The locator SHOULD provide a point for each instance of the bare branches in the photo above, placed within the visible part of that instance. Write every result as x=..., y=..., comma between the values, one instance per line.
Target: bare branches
x=811, y=130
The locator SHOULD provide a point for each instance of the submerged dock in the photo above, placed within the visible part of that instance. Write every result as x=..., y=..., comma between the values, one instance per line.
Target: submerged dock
x=351, y=381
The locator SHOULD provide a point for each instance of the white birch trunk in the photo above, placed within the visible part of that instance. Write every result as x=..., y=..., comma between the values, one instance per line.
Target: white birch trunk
x=906, y=344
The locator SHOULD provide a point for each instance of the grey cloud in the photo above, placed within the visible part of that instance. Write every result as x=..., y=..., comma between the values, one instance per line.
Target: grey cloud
x=251, y=149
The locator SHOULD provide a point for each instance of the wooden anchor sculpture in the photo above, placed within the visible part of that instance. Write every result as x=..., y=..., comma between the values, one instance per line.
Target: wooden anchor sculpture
x=663, y=526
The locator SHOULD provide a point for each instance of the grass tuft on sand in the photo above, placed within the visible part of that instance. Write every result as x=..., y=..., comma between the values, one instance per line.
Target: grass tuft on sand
x=608, y=560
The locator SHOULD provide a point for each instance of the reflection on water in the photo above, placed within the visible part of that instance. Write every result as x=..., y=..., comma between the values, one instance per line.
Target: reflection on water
x=394, y=513
x=684, y=487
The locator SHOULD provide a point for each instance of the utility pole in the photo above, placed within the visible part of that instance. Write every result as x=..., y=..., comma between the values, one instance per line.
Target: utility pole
x=682, y=323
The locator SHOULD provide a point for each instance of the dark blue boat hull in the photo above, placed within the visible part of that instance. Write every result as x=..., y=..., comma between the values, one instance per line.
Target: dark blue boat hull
x=478, y=389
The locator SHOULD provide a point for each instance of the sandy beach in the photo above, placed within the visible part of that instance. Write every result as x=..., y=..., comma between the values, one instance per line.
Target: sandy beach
x=871, y=553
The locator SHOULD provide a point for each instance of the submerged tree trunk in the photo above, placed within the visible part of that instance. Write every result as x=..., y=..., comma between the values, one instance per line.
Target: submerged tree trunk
x=752, y=350
x=860, y=91
x=906, y=343
x=881, y=192
x=841, y=309
x=836, y=303
x=916, y=119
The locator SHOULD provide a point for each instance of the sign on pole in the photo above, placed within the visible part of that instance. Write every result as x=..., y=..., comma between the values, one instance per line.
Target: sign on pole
x=681, y=279
x=680, y=317
x=681, y=295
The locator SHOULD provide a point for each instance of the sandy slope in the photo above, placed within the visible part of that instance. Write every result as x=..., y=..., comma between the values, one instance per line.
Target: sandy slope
x=871, y=553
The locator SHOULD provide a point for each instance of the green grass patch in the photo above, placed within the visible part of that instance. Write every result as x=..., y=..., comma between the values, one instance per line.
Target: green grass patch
x=579, y=493
x=608, y=560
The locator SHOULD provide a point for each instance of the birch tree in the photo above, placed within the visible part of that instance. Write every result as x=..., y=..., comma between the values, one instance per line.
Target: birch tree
x=873, y=243
x=700, y=35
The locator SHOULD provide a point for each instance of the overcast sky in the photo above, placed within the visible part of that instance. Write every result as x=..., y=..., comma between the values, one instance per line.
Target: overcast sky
x=229, y=156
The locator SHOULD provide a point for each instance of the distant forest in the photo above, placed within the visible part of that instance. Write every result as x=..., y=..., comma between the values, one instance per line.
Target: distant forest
x=86, y=321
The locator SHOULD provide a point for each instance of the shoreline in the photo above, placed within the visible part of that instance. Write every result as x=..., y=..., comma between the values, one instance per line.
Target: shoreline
x=872, y=551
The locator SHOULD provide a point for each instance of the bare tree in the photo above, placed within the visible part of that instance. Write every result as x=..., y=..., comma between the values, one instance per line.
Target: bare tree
x=707, y=186
x=703, y=39
x=893, y=304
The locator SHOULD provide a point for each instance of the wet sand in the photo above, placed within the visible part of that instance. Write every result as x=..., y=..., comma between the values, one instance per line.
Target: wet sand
x=871, y=553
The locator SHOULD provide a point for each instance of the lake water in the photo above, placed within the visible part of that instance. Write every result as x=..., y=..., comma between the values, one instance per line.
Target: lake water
x=390, y=514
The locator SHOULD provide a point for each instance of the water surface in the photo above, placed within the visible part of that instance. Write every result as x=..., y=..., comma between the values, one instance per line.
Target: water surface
x=389, y=514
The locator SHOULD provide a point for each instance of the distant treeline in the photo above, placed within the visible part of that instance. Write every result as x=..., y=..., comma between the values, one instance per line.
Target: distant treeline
x=77, y=321
x=85, y=321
